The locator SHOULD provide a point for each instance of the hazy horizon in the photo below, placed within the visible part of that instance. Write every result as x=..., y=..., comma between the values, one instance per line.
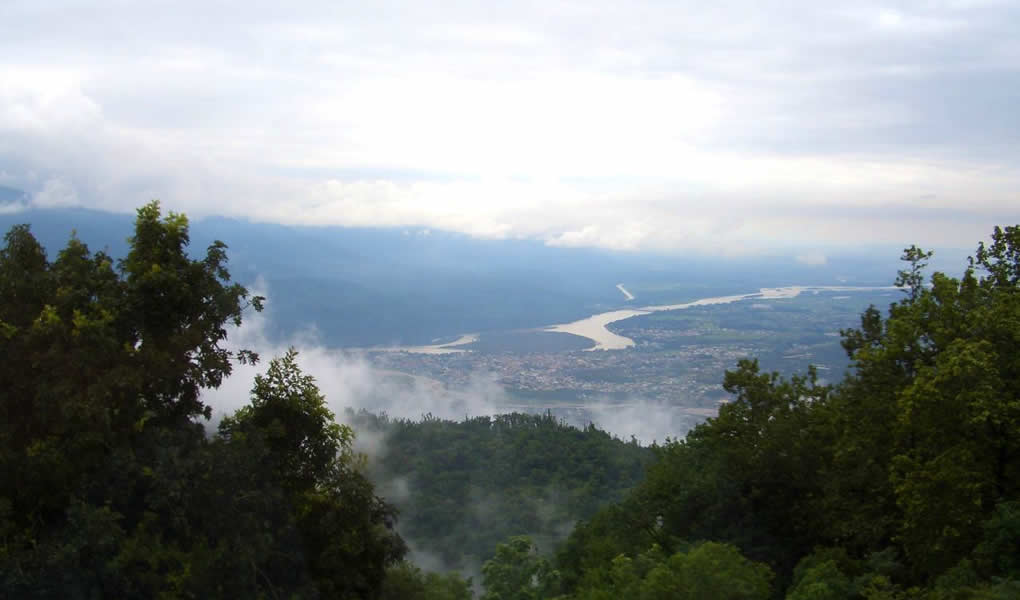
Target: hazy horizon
x=735, y=128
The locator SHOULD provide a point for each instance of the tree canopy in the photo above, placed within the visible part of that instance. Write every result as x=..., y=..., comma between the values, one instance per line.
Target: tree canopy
x=111, y=485
x=477, y=482
x=896, y=482
x=900, y=482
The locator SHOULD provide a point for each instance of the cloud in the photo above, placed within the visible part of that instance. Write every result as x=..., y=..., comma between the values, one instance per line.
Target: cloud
x=55, y=192
x=627, y=237
x=645, y=419
x=813, y=259
x=637, y=126
x=349, y=380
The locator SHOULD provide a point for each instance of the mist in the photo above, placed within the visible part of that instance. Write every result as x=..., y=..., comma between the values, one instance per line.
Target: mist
x=347, y=379
x=350, y=383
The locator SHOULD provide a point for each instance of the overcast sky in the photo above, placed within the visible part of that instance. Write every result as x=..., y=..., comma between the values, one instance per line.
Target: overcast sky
x=632, y=125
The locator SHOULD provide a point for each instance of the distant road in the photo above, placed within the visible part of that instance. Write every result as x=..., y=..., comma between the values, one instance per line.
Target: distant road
x=626, y=294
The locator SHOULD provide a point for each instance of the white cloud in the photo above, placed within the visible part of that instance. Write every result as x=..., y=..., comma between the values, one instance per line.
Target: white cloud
x=624, y=236
x=348, y=380
x=55, y=192
x=624, y=126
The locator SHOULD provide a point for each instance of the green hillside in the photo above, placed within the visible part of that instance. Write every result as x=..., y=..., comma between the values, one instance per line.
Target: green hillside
x=468, y=485
x=901, y=481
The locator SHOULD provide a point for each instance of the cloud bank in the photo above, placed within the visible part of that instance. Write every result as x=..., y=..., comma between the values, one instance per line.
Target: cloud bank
x=643, y=125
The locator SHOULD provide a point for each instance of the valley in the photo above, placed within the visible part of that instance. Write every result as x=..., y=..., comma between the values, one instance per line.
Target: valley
x=674, y=361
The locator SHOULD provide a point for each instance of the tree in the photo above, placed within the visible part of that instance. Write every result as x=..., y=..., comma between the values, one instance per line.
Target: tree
x=521, y=474
x=518, y=572
x=713, y=570
x=177, y=309
x=937, y=383
x=94, y=358
x=404, y=581
x=344, y=530
x=303, y=443
x=909, y=467
x=111, y=486
x=707, y=570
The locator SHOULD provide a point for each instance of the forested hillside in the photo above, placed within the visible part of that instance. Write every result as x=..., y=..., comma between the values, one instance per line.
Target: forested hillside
x=463, y=487
x=901, y=481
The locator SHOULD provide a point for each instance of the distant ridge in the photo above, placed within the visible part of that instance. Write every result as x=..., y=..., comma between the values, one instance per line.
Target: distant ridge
x=365, y=287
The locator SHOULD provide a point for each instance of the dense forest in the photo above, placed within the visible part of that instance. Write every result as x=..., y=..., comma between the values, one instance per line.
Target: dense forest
x=111, y=486
x=466, y=486
x=899, y=482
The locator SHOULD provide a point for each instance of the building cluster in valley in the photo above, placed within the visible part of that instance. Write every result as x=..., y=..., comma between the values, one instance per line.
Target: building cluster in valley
x=686, y=377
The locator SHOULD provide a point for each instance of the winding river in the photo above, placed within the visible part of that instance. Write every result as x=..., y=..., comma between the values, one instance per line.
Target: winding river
x=594, y=327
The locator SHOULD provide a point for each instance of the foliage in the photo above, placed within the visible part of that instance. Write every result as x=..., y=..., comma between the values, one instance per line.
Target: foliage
x=112, y=488
x=518, y=572
x=404, y=581
x=480, y=481
x=303, y=443
x=900, y=482
x=708, y=570
x=908, y=470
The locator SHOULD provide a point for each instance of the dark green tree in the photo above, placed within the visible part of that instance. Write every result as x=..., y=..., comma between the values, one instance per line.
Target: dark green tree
x=111, y=486
x=708, y=570
x=344, y=531
x=517, y=572
x=909, y=468
x=404, y=581
x=97, y=359
x=930, y=415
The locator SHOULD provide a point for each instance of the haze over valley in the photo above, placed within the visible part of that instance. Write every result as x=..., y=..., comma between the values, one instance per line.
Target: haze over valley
x=410, y=324
x=555, y=300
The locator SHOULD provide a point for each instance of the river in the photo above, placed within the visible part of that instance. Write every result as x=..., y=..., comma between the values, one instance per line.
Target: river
x=594, y=327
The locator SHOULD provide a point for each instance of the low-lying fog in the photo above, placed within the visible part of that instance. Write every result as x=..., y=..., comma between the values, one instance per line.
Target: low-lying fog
x=348, y=380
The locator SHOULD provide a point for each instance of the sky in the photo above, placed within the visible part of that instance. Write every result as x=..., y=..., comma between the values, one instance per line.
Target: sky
x=724, y=126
